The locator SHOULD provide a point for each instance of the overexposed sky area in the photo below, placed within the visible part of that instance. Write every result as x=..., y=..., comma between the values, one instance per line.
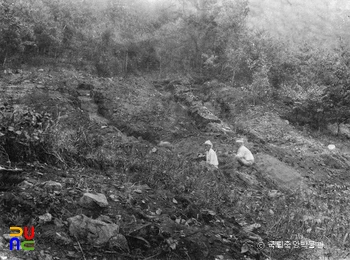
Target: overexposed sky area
x=301, y=19
x=297, y=19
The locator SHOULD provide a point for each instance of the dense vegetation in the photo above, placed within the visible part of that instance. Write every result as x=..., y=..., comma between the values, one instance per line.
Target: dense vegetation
x=207, y=38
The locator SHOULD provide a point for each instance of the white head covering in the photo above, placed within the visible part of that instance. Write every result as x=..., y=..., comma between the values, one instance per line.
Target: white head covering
x=240, y=140
x=208, y=142
x=331, y=147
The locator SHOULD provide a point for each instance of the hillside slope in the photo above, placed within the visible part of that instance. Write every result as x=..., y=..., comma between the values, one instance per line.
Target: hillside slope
x=165, y=202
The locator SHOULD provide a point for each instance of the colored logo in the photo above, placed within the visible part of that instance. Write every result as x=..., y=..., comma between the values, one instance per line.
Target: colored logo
x=27, y=244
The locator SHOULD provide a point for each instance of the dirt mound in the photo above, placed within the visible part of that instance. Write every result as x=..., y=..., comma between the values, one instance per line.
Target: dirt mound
x=284, y=176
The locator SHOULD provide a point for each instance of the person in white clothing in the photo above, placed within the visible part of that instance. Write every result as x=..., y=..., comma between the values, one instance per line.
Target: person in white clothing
x=211, y=157
x=244, y=156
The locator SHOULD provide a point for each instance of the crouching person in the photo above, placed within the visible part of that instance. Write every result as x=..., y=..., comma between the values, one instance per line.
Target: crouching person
x=244, y=155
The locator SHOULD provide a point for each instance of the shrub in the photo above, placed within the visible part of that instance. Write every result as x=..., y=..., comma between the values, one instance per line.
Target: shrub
x=319, y=106
x=260, y=89
x=73, y=137
x=23, y=133
x=228, y=101
x=27, y=135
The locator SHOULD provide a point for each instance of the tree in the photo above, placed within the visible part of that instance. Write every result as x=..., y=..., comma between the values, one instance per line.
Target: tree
x=10, y=32
x=197, y=39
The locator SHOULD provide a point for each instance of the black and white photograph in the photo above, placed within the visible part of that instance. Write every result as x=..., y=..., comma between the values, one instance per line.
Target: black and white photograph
x=174, y=130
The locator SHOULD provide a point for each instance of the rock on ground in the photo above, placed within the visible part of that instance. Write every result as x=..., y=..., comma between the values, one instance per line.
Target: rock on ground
x=96, y=232
x=90, y=200
x=53, y=186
